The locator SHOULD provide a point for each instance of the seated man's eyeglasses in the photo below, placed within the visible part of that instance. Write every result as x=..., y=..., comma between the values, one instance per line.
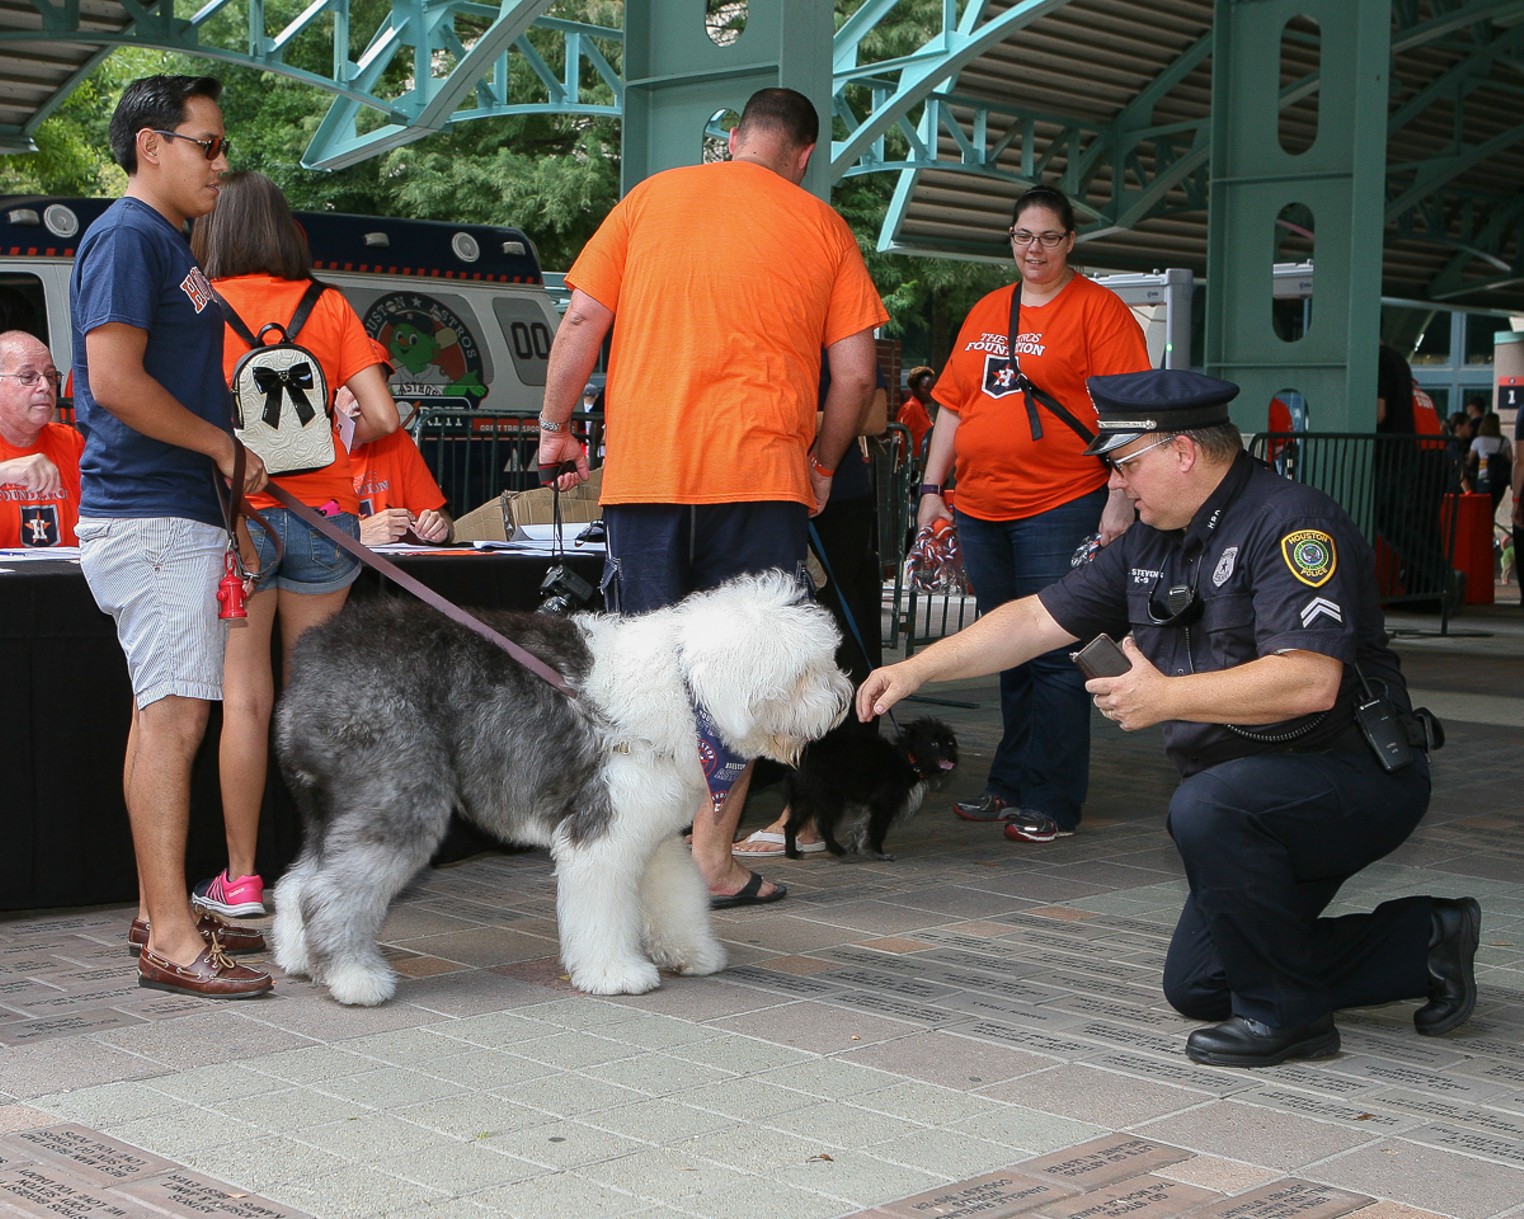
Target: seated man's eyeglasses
x=1116, y=464
x=1046, y=240
x=213, y=146
x=31, y=376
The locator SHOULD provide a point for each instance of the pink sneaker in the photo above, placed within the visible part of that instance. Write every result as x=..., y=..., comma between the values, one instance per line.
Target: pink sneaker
x=242, y=897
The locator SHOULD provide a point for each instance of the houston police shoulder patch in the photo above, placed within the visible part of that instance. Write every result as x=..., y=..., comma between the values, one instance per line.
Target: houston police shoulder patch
x=1310, y=555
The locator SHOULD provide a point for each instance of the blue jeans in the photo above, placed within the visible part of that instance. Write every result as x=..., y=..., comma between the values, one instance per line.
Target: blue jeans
x=1043, y=761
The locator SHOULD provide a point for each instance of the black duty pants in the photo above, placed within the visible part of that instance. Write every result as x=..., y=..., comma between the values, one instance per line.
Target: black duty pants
x=1267, y=842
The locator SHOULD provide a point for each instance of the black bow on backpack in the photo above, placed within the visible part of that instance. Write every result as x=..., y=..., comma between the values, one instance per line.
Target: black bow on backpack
x=294, y=382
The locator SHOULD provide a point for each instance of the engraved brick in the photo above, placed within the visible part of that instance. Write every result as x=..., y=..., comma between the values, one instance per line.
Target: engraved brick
x=46, y=1192
x=180, y=1192
x=1142, y=1197
x=1104, y=1161
x=1288, y=1199
x=21, y=1032
x=89, y=1155
x=995, y=1193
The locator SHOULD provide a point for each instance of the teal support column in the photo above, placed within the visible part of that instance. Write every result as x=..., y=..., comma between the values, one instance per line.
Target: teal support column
x=676, y=78
x=1338, y=178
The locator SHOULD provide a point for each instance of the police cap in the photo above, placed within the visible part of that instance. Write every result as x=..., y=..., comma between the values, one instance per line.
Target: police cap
x=1133, y=404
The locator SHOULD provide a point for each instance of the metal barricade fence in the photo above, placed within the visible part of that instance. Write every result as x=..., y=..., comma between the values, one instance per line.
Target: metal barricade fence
x=1395, y=489
x=921, y=617
x=475, y=454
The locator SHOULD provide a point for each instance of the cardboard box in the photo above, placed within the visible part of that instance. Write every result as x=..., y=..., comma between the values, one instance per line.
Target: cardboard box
x=499, y=518
x=491, y=522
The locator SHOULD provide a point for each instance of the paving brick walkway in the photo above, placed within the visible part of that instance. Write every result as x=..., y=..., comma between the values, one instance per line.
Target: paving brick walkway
x=973, y=1029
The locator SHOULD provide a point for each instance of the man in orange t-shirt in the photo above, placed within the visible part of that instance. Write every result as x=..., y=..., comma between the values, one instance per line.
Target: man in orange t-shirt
x=39, y=459
x=713, y=376
x=915, y=411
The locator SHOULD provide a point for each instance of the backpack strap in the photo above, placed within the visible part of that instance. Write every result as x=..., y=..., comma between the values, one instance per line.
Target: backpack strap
x=304, y=309
x=230, y=315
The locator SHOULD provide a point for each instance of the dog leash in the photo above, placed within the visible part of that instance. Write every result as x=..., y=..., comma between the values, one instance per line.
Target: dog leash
x=846, y=610
x=413, y=585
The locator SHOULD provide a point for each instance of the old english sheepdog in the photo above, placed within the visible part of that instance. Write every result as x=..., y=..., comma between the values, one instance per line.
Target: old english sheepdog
x=395, y=717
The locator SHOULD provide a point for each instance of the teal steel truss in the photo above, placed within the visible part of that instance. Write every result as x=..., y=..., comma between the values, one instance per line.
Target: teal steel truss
x=424, y=65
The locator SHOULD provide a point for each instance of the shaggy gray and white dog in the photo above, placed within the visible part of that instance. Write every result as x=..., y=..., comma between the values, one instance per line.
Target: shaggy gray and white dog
x=395, y=717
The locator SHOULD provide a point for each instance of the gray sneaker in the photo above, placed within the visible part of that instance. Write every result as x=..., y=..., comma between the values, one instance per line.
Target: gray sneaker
x=1023, y=825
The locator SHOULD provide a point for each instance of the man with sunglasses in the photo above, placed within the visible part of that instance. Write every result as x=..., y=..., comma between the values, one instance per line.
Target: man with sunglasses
x=1257, y=641
x=39, y=459
x=153, y=407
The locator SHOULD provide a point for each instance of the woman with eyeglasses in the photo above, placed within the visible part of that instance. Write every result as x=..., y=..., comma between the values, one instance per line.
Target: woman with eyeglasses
x=1014, y=431
x=257, y=259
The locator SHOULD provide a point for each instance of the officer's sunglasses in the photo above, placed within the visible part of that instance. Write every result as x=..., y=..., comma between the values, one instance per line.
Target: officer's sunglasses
x=1117, y=465
x=213, y=146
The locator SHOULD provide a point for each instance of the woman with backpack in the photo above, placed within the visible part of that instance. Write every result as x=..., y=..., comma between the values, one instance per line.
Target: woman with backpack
x=1489, y=464
x=257, y=259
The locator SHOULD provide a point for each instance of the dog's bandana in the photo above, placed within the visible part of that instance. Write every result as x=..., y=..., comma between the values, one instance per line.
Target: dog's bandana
x=721, y=766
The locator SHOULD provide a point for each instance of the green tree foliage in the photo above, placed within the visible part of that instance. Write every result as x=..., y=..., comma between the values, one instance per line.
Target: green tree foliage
x=553, y=175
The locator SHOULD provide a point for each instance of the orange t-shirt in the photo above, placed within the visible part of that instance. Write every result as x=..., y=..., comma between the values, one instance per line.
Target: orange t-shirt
x=391, y=473
x=1003, y=474
x=30, y=519
x=334, y=334
x=726, y=281
x=915, y=417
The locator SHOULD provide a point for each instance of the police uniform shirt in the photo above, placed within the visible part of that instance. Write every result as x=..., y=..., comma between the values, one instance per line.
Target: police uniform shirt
x=1274, y=566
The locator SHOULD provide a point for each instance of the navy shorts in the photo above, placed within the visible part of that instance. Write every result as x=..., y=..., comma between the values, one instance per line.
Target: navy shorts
x=659, y=553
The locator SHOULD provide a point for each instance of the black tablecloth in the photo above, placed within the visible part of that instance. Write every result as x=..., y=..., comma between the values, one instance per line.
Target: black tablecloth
x=65, y=706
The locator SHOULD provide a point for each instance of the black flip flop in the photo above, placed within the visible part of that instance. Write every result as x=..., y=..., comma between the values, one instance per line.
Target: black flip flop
x=750, y=894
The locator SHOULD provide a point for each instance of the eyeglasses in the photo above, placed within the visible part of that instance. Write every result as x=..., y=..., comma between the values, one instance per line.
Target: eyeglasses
x=31, y=376
x=1046, y=240
x=213, y=146
x=1115, y=464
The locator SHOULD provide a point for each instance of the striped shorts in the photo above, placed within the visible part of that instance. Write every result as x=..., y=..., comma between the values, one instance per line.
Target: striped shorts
x=157, y=578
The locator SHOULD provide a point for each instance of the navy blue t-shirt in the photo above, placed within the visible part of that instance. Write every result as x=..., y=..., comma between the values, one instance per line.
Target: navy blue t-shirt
x=133, y=267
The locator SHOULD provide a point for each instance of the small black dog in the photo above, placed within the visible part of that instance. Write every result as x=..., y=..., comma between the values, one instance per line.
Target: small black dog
x=854, y=778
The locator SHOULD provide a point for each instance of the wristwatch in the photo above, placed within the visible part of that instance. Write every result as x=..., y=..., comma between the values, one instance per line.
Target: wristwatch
x=550, y=425
x=931, y=488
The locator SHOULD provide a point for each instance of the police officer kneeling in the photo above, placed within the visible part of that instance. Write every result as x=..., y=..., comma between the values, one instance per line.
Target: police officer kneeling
x=1258, y=642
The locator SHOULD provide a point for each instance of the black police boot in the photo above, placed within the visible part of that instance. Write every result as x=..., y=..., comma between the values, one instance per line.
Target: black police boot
x=1457, y=924
x=1241, y=1042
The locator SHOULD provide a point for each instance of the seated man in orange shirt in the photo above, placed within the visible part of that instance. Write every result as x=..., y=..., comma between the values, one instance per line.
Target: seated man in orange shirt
x=39, y=459
x=398, y=494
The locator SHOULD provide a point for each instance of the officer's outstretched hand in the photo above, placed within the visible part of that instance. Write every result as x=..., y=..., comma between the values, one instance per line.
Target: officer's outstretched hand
x=882, y=688
x=1136, y=699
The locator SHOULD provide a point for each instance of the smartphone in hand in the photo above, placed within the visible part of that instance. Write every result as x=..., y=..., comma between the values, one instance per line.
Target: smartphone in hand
x=1101, y=657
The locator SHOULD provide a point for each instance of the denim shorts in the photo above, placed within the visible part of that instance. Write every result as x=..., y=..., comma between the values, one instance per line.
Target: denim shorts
x=659, y=553
x=309, y=562
x=157, y=578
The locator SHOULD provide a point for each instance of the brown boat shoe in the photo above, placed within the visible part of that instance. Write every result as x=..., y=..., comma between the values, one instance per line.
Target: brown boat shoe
x=235, y=939
x=212, y=975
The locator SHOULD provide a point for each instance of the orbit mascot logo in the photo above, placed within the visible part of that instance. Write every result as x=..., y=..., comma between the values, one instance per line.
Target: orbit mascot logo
x=434, y=353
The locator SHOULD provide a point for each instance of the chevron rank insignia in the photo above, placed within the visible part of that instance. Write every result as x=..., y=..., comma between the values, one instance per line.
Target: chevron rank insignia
x=1310, y=555
x=1321, y=607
